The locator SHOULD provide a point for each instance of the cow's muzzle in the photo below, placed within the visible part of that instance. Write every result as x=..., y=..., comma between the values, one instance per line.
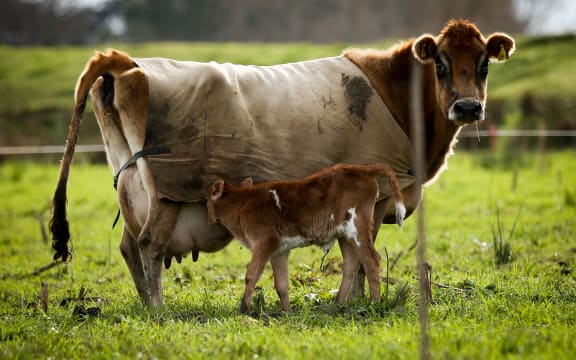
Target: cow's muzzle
x=466, y=111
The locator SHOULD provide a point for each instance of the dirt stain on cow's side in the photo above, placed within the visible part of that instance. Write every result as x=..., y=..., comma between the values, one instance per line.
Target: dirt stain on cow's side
x=158, y=130
x=358, y=92
x=127, y=203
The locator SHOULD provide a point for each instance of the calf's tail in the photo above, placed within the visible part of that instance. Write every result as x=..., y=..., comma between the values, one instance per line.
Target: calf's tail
x=380, y=169
x=112, y=63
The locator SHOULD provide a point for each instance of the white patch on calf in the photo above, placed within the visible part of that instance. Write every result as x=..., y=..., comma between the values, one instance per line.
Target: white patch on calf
x=276, y=199
x=331, y=217
x=348, y=227
x=400, y=213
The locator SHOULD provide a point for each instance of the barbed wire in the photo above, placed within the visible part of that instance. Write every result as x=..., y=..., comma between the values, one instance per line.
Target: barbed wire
x=47, y=149
x=59, y=149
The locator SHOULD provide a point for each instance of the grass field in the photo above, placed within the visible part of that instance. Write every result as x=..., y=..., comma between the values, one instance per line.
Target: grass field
x=43, y=78
x=522, y=309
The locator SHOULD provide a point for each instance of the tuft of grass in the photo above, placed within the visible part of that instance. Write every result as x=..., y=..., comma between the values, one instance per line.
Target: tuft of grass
x=502, y=247
x=569, y=198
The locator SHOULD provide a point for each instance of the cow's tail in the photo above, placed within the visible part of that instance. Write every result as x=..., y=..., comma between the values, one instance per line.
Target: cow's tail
x=113, y=63
x=379, y=169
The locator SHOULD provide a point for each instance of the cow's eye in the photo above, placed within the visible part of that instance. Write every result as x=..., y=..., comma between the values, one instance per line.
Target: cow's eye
x=441, y=69
x=484, y=69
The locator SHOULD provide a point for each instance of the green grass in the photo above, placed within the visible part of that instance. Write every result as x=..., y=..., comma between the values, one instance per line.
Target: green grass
x=542, y=66
x=525, y=309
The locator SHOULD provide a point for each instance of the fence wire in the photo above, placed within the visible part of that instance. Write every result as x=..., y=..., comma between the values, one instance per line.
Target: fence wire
x=98, y=148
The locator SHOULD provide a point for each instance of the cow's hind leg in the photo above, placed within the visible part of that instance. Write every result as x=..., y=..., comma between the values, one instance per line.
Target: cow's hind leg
x=131, y=253
x=281, y=279
x=153, y=241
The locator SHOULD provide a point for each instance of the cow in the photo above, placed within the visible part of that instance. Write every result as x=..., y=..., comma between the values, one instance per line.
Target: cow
x=170, y=128
x=274, y=217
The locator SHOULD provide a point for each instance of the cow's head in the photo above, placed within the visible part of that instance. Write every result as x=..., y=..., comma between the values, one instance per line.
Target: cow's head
x=461, y=56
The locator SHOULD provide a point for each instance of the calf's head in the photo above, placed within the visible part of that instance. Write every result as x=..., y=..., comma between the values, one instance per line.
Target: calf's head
x=214, y=194
x=217, y=200
x=461, y=56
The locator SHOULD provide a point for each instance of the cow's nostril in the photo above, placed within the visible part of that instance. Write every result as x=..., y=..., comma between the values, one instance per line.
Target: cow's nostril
x=477, y=110
x=458, y=109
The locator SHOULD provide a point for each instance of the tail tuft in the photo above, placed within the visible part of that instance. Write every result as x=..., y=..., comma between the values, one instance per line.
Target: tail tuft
x=400, y=213
x=59, y=226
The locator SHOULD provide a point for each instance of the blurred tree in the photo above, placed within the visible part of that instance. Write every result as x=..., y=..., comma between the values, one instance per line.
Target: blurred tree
x=489, y=15
x=537, y=13
x=149, y=20
x=304, y=20
x=49, y=23
x=59, y=21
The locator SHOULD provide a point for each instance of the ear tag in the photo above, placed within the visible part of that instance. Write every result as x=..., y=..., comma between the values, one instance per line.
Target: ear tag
x=502, y=55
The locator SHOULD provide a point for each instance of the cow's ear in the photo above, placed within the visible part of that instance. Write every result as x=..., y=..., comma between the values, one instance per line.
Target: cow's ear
x=500, y=46
x=424, y=48
x=247, y=182
x=216, y=189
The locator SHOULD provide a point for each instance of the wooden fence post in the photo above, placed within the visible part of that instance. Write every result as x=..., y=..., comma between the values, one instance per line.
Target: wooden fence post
x=418, y=142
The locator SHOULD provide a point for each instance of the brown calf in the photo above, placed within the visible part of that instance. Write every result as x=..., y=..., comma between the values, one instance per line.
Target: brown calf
x=272, y=218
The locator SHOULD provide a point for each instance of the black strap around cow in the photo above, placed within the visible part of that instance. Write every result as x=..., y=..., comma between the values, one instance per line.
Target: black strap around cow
x=142, y=153
x=145, y=152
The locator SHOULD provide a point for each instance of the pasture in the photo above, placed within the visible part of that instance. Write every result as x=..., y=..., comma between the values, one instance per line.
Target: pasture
x=524, y=307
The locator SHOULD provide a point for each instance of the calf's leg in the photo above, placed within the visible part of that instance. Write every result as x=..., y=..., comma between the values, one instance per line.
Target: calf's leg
x=349, y=269
x=357, y=287
x=253, y=273
x=370, y=260
x=367, y=254
x=385, y=212
x=281, y=279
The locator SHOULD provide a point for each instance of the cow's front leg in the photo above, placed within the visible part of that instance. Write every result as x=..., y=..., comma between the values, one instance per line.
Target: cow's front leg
x=131, y=253
x=153, y=241
x=282, y=279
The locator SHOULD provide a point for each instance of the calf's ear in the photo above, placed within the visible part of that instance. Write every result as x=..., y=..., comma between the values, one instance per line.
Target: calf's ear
x=500, y=46
x=216, y=189
x=424, y=48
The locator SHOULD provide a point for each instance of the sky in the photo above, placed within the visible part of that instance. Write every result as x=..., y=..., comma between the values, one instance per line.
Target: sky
x=547, y=16
x=550, y=16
